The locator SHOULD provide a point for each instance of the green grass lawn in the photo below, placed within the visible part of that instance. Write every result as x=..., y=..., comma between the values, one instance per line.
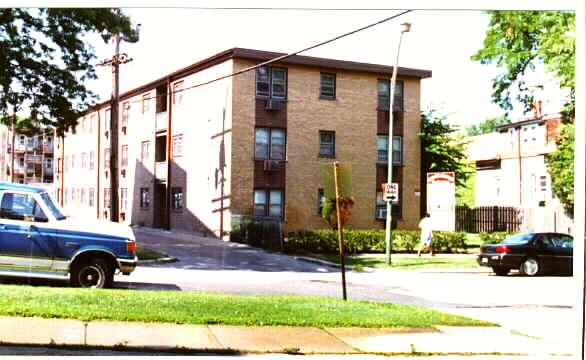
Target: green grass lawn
x=402, y=262
x=148, y=254
x=202, y=308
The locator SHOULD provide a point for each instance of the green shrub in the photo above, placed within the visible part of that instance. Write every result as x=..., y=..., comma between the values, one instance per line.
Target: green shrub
x=492, y=238
x=369, y=241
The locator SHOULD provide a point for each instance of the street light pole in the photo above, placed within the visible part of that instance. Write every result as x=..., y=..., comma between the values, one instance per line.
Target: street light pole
x=406, y=27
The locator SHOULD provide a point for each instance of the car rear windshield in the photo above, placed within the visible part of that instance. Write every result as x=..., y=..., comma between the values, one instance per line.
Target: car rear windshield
x=518, y=239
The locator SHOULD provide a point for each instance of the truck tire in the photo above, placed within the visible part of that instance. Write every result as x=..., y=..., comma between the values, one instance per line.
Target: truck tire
x=94, y=273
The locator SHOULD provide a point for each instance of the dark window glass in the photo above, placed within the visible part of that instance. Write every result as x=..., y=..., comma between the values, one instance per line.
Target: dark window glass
x=327, y=89
x=177, y=198
x=327, y=143
x=271, y=82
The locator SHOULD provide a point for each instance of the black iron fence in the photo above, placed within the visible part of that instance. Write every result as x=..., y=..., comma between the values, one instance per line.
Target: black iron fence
x=489, y=219
x=258, y=231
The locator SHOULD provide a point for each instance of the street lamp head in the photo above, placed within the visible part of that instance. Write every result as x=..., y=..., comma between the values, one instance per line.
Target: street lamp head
x=406, y=27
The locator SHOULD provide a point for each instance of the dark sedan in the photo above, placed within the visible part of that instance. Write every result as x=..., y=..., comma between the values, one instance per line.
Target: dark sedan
x=530, y=253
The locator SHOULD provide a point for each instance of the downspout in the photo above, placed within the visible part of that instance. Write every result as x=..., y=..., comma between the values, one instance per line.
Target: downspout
x=169, y=145
x=97, y=166
x=520, y=167
x=62, y=170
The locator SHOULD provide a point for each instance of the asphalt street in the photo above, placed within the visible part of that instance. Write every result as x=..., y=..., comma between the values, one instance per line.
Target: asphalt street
x=540, y=307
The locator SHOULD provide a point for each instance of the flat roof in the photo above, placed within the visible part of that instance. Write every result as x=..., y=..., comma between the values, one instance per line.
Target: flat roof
x=262, y=56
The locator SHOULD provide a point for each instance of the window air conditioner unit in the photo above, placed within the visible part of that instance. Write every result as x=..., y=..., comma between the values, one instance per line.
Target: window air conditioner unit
x=273, y=105
x=123, y=216
x=124, y=130
x=272, y=165
x=381, y=213
x=106, y=173
x=123, y=172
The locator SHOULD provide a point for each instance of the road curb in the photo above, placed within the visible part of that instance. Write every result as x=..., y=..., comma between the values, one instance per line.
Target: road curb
x=330, y=263
x=166, y=260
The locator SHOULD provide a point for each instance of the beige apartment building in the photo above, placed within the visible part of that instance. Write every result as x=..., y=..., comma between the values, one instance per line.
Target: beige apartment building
x=194, y=152
x=26, y=157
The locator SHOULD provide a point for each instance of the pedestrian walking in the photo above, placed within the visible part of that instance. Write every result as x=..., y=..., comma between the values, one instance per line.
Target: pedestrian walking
x=426, y=235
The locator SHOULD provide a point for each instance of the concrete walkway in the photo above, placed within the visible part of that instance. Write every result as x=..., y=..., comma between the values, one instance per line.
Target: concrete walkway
x=197, y=338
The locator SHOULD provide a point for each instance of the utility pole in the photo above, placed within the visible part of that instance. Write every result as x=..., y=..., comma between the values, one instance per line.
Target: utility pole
x=115, y=63
x=388, y=243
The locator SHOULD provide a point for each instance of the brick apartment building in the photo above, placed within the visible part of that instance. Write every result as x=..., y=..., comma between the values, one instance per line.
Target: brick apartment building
x=31, y=154
x=191, y=157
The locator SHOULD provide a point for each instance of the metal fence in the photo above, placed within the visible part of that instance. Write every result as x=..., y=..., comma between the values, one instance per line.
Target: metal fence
x=490, y=219
x=258, y=231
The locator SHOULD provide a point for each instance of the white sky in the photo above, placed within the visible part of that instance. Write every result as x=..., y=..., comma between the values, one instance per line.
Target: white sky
x=442, y=41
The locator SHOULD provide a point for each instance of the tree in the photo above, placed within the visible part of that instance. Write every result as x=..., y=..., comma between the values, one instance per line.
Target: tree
x=519, y=42
x=487, y=126
x=560, y=165
x=442, y=149
x=45, y=63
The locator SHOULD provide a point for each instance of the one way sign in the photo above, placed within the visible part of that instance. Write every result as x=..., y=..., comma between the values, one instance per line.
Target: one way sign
x=390, y=192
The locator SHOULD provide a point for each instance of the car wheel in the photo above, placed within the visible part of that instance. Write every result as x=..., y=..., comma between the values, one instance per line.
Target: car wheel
x=529, y=267
x=95, y=273
x=501, y=271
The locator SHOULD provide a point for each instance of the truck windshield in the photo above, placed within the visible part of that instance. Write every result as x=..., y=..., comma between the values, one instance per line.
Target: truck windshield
x=51, y=205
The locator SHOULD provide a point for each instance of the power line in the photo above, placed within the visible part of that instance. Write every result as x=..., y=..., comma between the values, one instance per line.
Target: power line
x=280, y=58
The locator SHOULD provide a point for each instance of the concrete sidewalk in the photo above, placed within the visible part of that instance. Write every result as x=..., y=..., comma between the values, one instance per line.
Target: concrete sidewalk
x=160, y=336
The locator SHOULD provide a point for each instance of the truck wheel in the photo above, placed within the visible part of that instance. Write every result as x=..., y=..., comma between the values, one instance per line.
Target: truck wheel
x=95, y=273
x=529, y=267
x=501, y=271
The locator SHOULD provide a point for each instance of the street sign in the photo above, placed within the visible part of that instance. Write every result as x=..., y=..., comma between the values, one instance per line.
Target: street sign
x=390, y=192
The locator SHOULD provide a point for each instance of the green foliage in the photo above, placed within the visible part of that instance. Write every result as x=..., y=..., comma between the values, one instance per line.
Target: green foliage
x=492, y=238
x=443, y=150
x=487, y=126
x=466, y=195
x=519, y=41
x=367, y=241
x=560, y=165
x=45, y=63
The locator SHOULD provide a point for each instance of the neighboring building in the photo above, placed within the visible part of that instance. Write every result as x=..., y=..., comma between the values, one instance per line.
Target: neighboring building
x=191, y=157
x=32, y=156
x=511, y=171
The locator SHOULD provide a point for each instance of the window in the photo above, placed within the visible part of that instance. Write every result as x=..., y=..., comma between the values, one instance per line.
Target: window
x=327, y=144
x=178, y=93
x=382, y=145
x=145, y=151
x=271, y=82
x=91, y=197
x=268, y=203
x=177, y=198
x=321, y=201
x=20, y=206
x=146, y=103
x=83, y=124
x=83, y=160
x=124, y=156
x=107, y=119
x=73, y=191
x=65, y=196
x=92, y=160
x=92, y=122
x=106, y=198
x=125, y=113
x=73, y=162
x=327, y=88
x=270, y=144
x=123, y=199
x=82, y=196
x=384, y=95
x=177, y=145
x=145, y=198
x=106, y=158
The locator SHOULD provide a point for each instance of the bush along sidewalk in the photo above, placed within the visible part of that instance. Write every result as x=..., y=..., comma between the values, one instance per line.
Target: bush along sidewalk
x=368, y=241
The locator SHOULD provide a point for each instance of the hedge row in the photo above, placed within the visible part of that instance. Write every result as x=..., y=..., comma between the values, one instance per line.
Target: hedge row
x=367, y=241
x=492, y=238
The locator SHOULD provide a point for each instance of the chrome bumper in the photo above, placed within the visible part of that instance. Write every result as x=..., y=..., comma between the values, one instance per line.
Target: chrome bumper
x=127, y=266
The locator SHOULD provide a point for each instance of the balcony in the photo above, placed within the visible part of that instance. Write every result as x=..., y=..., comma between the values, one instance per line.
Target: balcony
x=161, y=121
x=161, y=170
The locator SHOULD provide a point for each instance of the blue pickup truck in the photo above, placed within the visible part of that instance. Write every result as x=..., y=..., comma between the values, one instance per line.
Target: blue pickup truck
x=38, y=241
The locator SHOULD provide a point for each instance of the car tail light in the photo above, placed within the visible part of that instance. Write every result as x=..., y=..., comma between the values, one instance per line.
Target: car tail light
x=131, y=246
x=502, y=249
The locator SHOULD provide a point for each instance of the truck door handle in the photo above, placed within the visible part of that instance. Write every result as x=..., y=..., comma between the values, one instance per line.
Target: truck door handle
x=72, y=245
